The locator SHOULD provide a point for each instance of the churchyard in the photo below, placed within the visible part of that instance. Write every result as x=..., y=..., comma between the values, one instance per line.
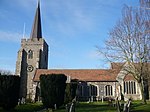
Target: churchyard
x=136, y=106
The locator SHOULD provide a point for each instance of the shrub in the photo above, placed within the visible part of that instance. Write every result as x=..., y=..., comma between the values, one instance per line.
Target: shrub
x=9, y=91
x=68, y=97
x=70, y=92
x=53, y=89
x=73, y=89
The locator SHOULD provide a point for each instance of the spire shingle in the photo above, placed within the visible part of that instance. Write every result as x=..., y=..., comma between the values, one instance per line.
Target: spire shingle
x=36, y=28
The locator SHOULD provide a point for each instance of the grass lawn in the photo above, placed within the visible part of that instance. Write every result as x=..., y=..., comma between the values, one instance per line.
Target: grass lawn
x=136, y=106
x=139, y=107
x=90, y=107
x=32, y=107
x=83, y=107
x=94, y=107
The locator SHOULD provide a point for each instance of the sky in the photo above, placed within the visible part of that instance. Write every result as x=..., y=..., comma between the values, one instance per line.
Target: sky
x=72, y=29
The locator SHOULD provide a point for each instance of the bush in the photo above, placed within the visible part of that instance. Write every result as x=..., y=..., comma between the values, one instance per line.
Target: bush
x=108, y=99
x=53, y=89
x=68, y=97
x=73, y=89
x=9, y=91
x=70, y=92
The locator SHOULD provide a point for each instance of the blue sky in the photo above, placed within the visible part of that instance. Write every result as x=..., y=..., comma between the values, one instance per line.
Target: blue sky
x=72, y=28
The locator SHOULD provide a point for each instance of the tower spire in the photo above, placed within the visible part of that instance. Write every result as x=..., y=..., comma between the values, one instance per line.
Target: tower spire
x=36, y=28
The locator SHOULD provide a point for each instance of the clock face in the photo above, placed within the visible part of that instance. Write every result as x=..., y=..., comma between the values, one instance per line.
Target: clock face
x=30, y=68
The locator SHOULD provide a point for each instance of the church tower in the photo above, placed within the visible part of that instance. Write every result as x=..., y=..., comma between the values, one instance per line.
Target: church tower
x=32, y=55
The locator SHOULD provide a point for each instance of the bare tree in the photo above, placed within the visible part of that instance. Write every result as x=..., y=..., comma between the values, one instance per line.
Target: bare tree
x=129, y=41
x=5, y=72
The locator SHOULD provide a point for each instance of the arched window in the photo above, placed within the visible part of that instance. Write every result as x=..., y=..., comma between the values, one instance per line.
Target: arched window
x=108, y=90
x=81, y=90
x=130, y=87
x=93, y=90
x=30, y=54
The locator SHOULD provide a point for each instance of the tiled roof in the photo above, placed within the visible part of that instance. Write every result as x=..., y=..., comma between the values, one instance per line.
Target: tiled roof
x=87, y=74
x=81, y=74
x=117, y=65
x=129, y=77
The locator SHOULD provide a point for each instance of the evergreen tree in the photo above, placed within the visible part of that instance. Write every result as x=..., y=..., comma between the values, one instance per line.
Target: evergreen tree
x=53, y=89
x=70, y=92
x=9, y=91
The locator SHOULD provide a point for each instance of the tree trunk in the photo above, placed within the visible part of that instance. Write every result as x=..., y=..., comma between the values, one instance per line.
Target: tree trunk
x=141, y=85
x=149, y=92
x=118, y=105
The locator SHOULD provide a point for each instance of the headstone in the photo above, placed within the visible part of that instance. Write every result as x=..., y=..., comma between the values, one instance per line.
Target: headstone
x=67, y=107
x=127, y=106
x=55, y=106
x=102, y=99
x=91, y=98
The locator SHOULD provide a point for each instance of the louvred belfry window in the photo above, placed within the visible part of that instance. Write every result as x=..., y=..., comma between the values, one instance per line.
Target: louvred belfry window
x=30, y=54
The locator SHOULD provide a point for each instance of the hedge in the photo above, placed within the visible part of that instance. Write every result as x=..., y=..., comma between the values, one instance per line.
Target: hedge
x=9, y=91
x=53, y=89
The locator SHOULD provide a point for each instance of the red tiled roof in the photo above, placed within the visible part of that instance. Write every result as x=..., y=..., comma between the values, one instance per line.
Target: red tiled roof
x=117, y=65
x=81, y=74
x=128, y=77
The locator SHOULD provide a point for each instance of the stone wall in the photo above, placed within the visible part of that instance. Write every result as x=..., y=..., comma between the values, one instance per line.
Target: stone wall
x=25, y=66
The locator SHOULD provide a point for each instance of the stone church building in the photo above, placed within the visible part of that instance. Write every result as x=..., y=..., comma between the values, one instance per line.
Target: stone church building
x=93, y=84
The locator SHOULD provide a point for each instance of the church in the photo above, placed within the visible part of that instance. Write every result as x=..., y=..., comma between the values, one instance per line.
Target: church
x=93, y=84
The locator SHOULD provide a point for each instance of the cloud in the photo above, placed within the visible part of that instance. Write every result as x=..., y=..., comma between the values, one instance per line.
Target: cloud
x=98, y=60
x=7, y=63
x=3, y=14
x=10, y=36
x=69, y=17
x=93, y=55
x=27, y=4
x=80, y=15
